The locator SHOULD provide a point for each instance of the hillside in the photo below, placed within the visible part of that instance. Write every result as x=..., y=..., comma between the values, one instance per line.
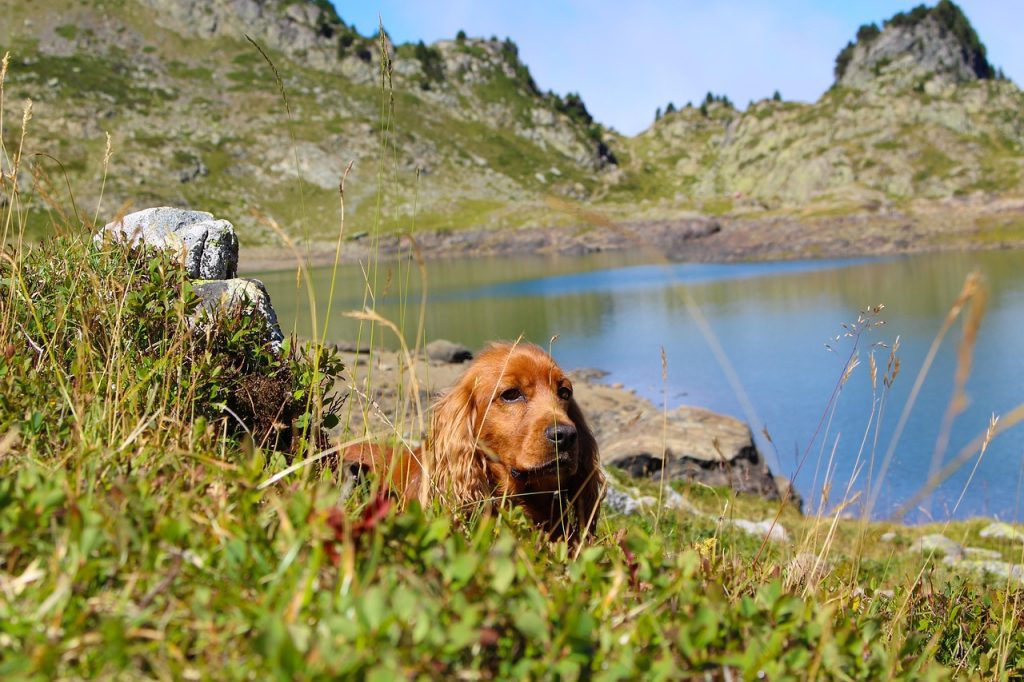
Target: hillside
x=457, y=135
x=457, y=129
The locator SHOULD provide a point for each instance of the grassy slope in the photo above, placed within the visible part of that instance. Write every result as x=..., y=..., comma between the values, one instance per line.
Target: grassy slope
x=851, y=149
x=172, y=102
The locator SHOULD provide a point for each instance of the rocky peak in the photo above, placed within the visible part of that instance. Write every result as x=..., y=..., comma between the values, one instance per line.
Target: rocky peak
x=930, y=42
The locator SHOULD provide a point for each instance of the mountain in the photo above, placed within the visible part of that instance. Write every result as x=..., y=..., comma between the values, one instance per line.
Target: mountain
x=457, y=134
x=916, y=112
x=457, y=131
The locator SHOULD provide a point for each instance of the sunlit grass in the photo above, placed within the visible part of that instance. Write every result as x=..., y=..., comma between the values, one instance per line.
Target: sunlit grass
x=147, y=532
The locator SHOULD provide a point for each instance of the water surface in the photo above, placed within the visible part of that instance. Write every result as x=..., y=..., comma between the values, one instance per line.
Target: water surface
x=773, y=321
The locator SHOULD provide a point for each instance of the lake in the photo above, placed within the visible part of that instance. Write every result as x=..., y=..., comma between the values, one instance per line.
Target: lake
x=772, y=322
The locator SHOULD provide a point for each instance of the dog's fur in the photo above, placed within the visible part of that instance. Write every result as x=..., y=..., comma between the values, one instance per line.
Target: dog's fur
x=509, y=430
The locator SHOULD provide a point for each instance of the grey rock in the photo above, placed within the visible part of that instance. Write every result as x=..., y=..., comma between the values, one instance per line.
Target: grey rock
x=1001, y=569
x=238, y=297
x=674, y=500
x=937, y=543
x=1001, y=531
x=774, y=531
x=208, y=247
x=448, y=352
x=694, y=445
x=621, y=502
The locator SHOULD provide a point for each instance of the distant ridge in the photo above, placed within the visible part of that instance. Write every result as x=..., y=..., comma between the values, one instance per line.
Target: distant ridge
x=457, y=134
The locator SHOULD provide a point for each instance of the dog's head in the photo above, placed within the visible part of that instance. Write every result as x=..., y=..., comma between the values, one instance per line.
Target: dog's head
x=511, y=428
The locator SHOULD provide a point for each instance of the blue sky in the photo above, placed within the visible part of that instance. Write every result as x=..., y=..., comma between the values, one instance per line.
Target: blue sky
x=626, y=59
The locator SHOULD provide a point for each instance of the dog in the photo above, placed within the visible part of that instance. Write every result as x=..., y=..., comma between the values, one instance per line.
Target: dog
x=508, y=431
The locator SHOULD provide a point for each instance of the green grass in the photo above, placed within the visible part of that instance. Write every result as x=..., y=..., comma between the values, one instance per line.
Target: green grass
x=999, y=230
x=141, y=537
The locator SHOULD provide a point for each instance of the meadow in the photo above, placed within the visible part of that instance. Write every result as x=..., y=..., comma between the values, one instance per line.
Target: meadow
x=155, y=522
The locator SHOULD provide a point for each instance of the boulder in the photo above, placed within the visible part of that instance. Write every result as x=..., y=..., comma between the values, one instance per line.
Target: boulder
x=207, y=247
x=238, y=296
x=441, y=350
x=694, y=445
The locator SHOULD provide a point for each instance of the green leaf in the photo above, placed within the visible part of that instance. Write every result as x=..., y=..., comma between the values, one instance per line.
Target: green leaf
x=531, y=625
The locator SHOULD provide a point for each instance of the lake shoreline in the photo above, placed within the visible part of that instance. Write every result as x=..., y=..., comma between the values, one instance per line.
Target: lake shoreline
x=955, y=225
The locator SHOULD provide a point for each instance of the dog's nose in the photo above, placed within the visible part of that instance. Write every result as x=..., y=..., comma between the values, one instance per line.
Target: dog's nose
x=562, y=435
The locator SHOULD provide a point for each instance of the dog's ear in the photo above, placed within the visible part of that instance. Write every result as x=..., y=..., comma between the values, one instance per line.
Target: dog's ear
x=453, y=469
x=588, y=483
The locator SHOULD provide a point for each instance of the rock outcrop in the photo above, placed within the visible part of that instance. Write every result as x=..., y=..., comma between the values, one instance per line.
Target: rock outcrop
x=935, y=42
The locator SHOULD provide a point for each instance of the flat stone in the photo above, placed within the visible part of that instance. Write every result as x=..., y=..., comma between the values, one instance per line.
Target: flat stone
x=206, y=246
x=1000, y=569
x=1001, y=531
x=939, y=544
x=982, y=553
x=774, y=531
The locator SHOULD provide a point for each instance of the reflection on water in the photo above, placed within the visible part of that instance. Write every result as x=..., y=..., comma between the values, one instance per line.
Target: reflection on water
x=616, y=311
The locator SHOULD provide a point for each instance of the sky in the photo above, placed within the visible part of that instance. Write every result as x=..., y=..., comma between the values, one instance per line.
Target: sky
x=628, y=59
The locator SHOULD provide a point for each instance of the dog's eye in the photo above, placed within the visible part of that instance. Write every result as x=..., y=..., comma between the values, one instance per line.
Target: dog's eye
x=511, y=395
x=564, y=392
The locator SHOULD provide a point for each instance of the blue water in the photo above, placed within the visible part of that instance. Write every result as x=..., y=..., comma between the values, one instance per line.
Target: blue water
x=772, y=321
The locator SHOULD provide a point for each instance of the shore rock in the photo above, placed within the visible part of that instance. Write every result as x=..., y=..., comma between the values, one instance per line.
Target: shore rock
x=693, y=445
x=239, y=297
x=441, y=350
x=208, y=247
